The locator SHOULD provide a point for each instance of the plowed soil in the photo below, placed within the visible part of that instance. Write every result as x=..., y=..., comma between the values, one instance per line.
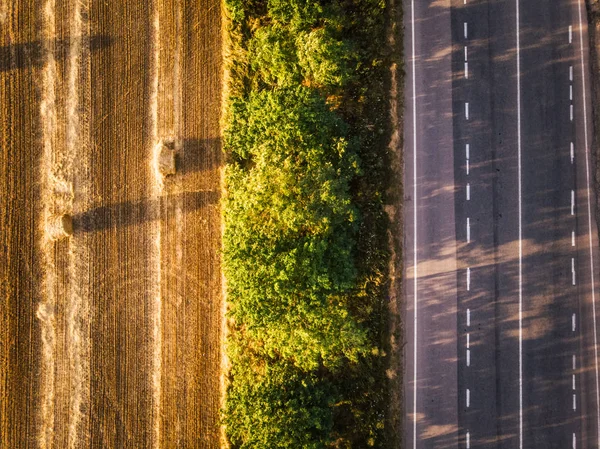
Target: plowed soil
x=110, y=338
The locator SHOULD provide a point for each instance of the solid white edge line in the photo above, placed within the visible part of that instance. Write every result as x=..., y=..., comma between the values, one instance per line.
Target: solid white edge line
x=414, y=106
x=518, y=19
x=589, y=207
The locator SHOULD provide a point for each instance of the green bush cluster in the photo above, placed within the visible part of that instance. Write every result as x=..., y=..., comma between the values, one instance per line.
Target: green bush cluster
x=304, y=241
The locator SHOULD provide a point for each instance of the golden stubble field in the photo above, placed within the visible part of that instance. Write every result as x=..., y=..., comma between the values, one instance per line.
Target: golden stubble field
x=110, y=338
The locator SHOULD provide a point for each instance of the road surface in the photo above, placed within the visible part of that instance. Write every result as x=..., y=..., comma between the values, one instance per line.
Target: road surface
x=501, y=243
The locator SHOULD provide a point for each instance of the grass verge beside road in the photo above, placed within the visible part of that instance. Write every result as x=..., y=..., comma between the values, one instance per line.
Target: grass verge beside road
x=306, y=247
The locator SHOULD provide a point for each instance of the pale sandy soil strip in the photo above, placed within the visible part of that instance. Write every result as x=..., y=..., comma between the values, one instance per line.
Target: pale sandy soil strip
x=45, y=312
x=78, y=305
x=156, y=293
x=3, y=11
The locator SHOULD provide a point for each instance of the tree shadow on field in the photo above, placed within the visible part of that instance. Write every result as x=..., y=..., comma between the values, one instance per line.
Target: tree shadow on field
x=33, y=54
x=137, y=212
x=199, y=155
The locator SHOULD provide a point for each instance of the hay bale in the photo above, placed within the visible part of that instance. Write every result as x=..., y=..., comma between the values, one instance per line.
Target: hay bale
x=166, y=161
x=59, y=226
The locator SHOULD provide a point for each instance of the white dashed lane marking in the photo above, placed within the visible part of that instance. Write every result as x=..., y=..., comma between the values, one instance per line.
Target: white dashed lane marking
x=570, y=34
x=468, y=230
x=571, y=112
x=572, y=152
x=468, y=279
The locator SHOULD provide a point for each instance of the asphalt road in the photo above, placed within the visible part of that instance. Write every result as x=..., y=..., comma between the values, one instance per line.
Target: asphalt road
x=501, y=244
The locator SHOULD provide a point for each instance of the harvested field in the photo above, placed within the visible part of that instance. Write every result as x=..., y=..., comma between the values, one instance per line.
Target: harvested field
x=110, y=338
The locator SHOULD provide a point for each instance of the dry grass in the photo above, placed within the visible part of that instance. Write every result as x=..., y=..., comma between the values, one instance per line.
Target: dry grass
x=593, y=9
x=395, y=212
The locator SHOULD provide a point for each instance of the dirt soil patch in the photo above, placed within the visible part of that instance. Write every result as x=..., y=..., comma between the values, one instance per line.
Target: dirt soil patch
x=593, y=14
x=395, y=211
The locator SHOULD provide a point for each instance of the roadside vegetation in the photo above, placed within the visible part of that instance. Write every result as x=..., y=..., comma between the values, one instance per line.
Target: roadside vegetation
x=305, y=243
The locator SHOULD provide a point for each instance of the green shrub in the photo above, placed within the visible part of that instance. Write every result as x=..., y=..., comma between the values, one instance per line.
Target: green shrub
x=304, y=241
x=278, y=407
x=296, y=13
x=325, y=60
x=273, y=56
x=290, y=231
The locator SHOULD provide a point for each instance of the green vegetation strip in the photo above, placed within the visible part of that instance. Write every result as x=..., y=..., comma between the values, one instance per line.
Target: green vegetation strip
x=305, y=243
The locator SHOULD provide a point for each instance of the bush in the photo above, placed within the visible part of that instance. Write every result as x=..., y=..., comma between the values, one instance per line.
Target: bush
x=290, y=232
x=273, y=56
x=296, y=13
x=303, y=248
x=325, y=60
x=278, y=407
